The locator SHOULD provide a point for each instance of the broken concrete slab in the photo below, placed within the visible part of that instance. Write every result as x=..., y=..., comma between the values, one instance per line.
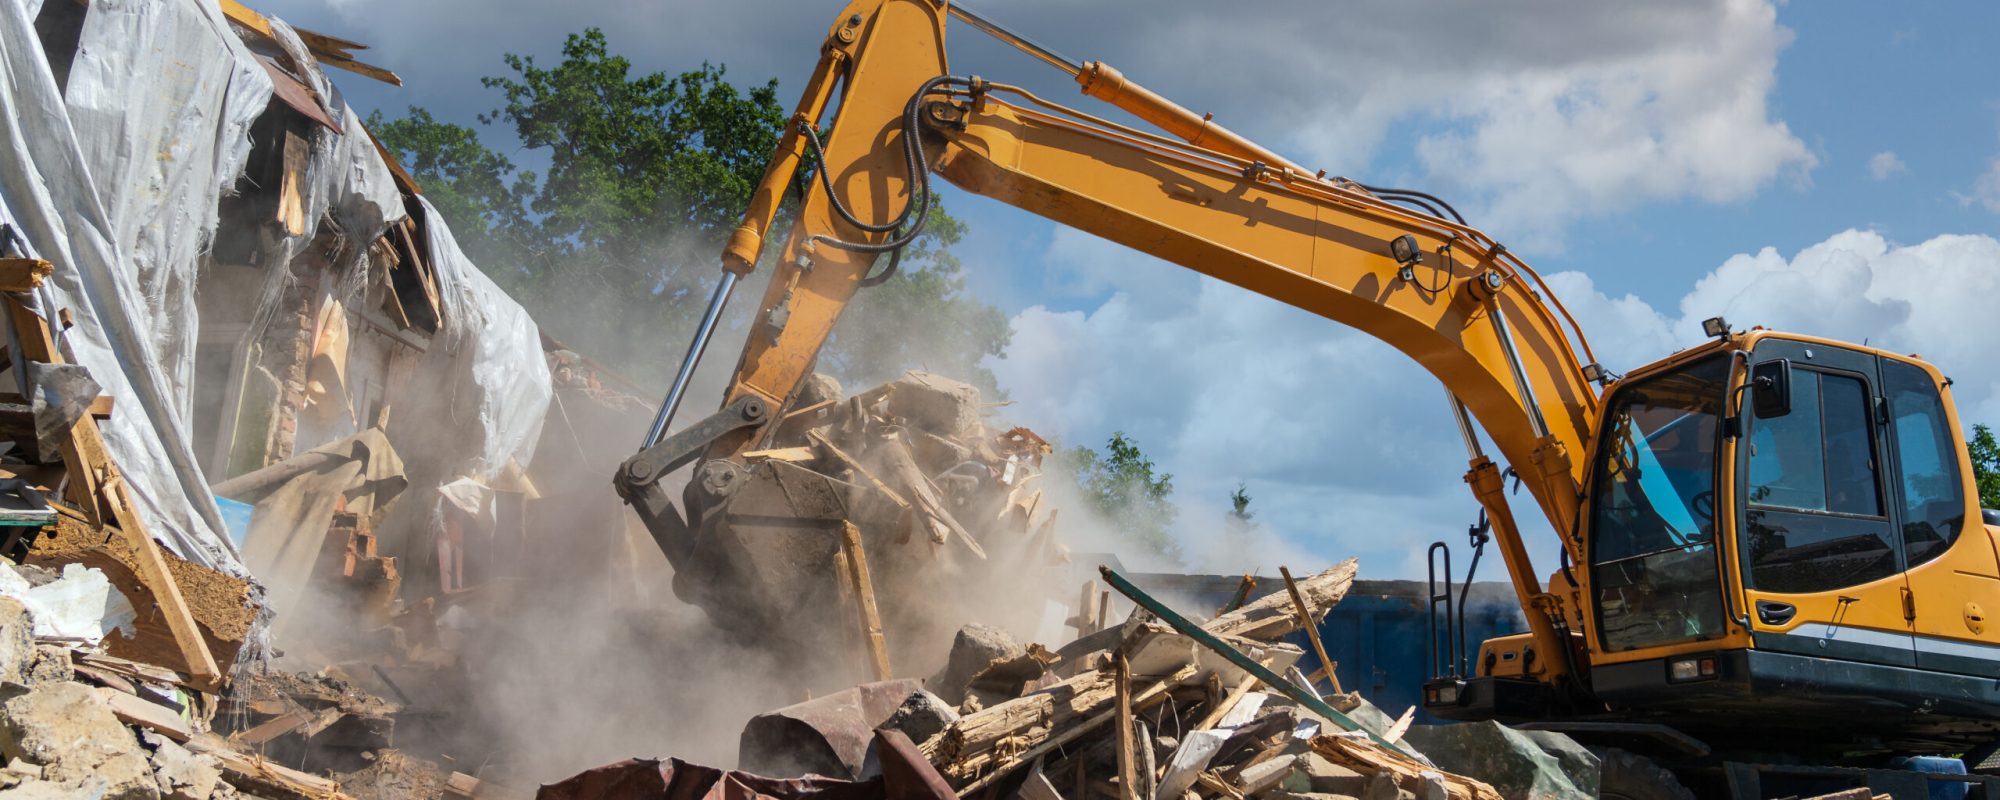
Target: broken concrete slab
x=921, y=716
x=181, y=773
x=70, y=730
x=941, y=405
x=975, y=648
x=17, y=640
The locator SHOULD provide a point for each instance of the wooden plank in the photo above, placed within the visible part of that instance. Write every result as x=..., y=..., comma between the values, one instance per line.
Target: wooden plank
x=265, y=778
x=1306, y=621
x=1152, y=696
x=864, y=591
x=788, y=454
x=101, y=407
x=460, y=784
x=1270, y=617
x=1228, y=703
x=274, y=727
x=202, y=671
x=38, y=344
x=291, y=188
x=1402, y=726
x=23, y=274
x=1085, y=620
x=329, y=55
x=135, y=710
x=860, y=470
x=1128, y=767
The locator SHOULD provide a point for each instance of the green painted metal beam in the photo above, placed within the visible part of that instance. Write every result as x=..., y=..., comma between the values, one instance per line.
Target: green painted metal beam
x=1202, y=637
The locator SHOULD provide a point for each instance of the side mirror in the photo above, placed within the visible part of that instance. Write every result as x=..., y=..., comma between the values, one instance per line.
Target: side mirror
x=1771, y=388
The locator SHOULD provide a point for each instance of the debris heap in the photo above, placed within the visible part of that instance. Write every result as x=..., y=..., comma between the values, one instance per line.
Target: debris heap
x=1155, y=707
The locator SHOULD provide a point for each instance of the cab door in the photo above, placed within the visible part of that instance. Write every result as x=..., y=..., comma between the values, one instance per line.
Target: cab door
x=1822, y=558
x=1952, y=573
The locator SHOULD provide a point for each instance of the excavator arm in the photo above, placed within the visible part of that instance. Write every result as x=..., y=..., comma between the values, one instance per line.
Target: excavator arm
x=1203, y=197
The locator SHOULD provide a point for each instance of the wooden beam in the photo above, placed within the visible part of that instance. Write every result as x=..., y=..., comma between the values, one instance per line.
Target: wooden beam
x=860, y=470
x=1312, y=627
x=153, y=569
x=38, y=344
x=23, y=274
x=1228, y=703
x=94, y=479
x=864, y=591
x=328, y=50
x=1128, y=768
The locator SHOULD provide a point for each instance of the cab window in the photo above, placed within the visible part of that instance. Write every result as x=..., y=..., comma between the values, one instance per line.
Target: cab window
x=1933, y=498
x=1815, y=518
x=1652, y=501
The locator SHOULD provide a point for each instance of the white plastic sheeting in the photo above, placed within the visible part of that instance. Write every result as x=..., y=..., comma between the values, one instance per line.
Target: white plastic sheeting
x=118, y=185
x=494, y=350
x=81, y=199
x=162, y=96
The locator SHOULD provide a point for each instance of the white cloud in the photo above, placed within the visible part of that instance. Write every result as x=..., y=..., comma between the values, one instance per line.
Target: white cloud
x=1345, y=443
x=1533, y=115
x=1986, y=190
x=1885, y=165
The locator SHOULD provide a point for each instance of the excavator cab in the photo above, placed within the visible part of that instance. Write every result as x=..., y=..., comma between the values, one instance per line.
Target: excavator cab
x=1774, y=525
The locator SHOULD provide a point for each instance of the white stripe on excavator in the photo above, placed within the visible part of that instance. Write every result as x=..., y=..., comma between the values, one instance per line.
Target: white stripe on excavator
x=1842, y=633
x=1956, y=647
x=1895, y=639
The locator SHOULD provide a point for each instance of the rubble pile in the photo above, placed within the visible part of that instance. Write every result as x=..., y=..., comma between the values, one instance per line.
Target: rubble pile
x=1155, y=707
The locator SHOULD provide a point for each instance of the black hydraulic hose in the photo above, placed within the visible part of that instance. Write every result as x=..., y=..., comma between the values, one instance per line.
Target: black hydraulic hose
x=1427, y=208
x=879, y=278
x=1413, y=195
x=919, y=168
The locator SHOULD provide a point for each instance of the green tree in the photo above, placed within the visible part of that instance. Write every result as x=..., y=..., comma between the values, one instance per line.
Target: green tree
x=1121, y=486
x=613, y=246
x=1239, y=505
x=1986, y=465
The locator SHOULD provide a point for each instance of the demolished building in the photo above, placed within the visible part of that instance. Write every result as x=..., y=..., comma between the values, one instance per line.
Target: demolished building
x=307, y=410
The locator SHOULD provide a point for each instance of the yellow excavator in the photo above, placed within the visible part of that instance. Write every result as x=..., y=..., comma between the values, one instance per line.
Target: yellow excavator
x=1773, y=564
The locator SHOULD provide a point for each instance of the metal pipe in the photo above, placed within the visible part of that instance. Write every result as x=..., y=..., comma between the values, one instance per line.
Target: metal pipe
x=1458, y=412
x=1021, y=43
x=693, y=358
x=1521, y=385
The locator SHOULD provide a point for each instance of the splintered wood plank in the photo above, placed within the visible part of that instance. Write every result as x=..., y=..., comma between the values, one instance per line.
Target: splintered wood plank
x=864, y=591
x=38, y=344
x=1271, y=617
x=23, y=274
x=93, y=480
x=1128, y=767
x=860, y=470
x=166, y=591
x=1307, y=621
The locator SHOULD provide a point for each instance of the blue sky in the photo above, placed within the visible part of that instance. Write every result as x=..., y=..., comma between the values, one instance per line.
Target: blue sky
x=1827, y=166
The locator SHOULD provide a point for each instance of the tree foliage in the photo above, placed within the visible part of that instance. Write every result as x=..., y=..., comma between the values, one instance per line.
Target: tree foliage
x=1120, y=484
x=1985, y=452
x=613, y=245
x=1239, y=505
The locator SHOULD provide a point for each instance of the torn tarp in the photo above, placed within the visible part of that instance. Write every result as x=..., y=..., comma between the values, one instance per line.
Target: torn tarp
x=118, y=188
